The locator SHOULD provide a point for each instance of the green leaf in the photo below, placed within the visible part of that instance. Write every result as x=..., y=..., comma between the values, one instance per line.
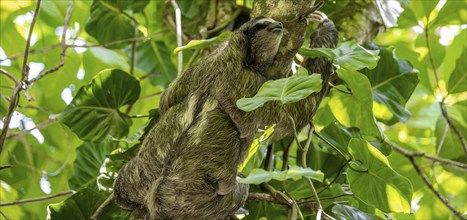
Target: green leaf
x=94, y=112
x=356, y=109
x=349, y=212
x=451, y=147
x=288, y=90
x=348, y=55
x=82, y=206
x=108, y=23
x=339, y=136
x=393, y=82
x=98, y=59
x=89, y=159
x=379, y=185
x=256, y=151
x=200, y=44
x=450, y=14
x=258, y=175
x=153, y=58
x=458, y=80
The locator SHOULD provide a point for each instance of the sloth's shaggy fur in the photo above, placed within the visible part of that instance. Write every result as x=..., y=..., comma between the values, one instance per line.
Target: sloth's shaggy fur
x=187, y=165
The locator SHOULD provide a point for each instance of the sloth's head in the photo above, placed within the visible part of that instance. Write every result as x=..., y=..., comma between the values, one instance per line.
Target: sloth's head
x=262, y=37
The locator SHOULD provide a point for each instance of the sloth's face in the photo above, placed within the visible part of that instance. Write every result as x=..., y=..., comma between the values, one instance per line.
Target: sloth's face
x=265, y=35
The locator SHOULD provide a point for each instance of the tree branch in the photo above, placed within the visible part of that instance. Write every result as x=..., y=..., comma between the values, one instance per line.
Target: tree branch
x=25, y=69
x=24, y=201
x=408, y=153
x=9, y=75
x=63, y=45
x=430, y=186
x=452, y=126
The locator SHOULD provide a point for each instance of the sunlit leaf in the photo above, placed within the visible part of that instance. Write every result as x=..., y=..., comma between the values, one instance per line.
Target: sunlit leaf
x=200, y=44
x=258, y=175
x=377, y=183
x=356, y=109
x=458, y=81
x=94, y=112
x=393, y=83
x=288, y=90
x=82, y=205
x=256, y=152
x=348, y=55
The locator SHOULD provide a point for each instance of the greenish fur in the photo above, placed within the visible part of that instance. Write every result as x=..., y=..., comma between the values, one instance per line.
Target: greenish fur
x=187, y=165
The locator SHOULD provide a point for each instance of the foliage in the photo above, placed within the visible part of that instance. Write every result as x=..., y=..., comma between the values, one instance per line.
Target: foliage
x=399, y=105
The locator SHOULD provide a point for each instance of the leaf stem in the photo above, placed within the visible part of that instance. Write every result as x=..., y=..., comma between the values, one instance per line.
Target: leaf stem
x=178, y=23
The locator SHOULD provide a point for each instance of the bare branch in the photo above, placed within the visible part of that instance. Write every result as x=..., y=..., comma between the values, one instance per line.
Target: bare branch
x=27, y=131
x=25, y=68
x=408, y=153
x=430, y=186
x=38, y=199
x=118, y=41
x=452, y=126
x=9, y=75
x=6, y=167
x=38, y=51
x=15, y=96
x=63, y=45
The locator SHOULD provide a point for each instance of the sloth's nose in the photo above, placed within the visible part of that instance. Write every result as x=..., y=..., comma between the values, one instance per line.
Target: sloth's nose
x=276, y=25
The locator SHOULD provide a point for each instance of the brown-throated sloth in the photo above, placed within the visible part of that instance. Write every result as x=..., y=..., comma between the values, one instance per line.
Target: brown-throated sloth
x=187, y=165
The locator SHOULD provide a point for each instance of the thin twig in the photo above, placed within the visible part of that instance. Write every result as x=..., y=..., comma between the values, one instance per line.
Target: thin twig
x=442, y=104
x=4, y=216
x=430, y=186
x=27, y=131
x=24, y=201
x=269, y=198
x=9, y=75
x=25, y=69
x=37, y=51
x=178, y=23
x=408, y=153
x=452, y=126
x=340, y=90
x=63, y=45
x=102, y=206
x=117, y=41
x=6, y=167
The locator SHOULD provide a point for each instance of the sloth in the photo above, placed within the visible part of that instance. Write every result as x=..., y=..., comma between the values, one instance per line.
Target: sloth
x=186, y=167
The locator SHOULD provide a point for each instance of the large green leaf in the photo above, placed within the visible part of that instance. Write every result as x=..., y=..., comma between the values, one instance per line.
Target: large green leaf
x=258, y=175
x=393, y=82
x=348, y=55
x=109, y=22
x=89, y=159
x=458, y=80
x=200, y=44
x=153, y=58
x=356, y=109
x=94, y=112
x=288, y=90
x=82, y=206
x=375, y=182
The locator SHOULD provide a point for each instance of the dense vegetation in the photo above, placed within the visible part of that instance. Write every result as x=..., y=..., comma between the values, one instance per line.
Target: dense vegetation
x=387, y=142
